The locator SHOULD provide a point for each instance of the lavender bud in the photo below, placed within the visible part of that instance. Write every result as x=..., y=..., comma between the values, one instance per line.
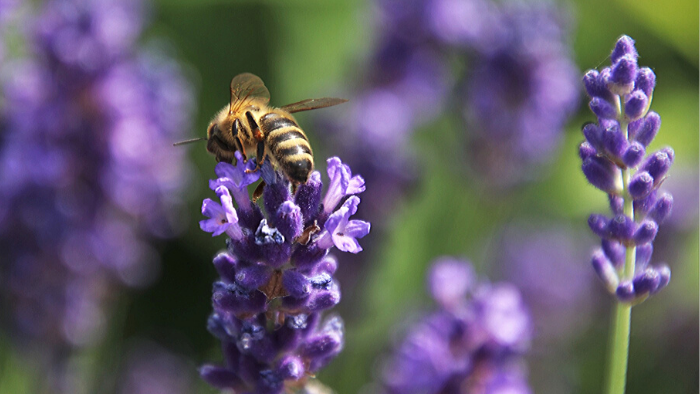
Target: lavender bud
x=602, y=108
x=322, y=299
x=658, y=164
x=605, y=270
x=253, y=276
x=594, y=135
x=669, y=152
x=308, y=196
x=646, y=282
x=617, y=204
x=625, y=292
x=647, y=128
x=643, y=206
x=623, y=75
x=636, y=105
x=225, y=265
x=296, y=284
x=664, y=277
x=328, y=265
x=603, y=174
x=646, y=232
x=586, y=150
x=595, y=86
x=643, y=255
x=274, y=195
x=614, y=251
x=646, y=80
x=328, y=344
x=290, y=367
x=288, y=220
x=622, y=228
x=641, y=185
x=624, y=47
x=615, y=141
x=634, y=154
x=662, y=208
x=235, y=299
x=599, y=225
x=216, y=326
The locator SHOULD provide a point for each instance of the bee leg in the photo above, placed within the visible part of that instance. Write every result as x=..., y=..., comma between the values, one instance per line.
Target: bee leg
x=239, y=147
x=260, y=156
x=237, y=139
x=258, y=191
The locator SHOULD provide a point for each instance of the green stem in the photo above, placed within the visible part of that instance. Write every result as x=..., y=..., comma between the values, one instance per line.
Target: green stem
x=622, y=312
x=618, y=348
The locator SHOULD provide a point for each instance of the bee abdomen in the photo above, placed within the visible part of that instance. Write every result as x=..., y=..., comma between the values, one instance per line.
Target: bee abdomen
x=289, y=145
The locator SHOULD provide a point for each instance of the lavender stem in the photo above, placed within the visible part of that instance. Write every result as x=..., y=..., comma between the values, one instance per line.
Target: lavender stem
x=619, y=342
x=619, y=348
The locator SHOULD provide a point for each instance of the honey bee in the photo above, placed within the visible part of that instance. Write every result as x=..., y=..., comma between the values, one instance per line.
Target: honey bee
x=249, y=125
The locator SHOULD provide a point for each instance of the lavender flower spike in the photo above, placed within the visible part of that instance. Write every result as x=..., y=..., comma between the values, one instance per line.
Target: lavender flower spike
x=278, y=256
x=615, y=165
x=617, y=147
x=87, y=171
x=472, y=343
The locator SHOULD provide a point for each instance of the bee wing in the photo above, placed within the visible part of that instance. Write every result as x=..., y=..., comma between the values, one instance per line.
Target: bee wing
x=246, y=88
x=309, y=104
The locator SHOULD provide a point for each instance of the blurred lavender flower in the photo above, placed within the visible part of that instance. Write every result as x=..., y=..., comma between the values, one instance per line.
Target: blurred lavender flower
x=544, y=263
x=87, y=172
x=613, y=161
x=520, y=93
x=151, y=369
x=515, y=69
x=469, y=344
x=277, y=276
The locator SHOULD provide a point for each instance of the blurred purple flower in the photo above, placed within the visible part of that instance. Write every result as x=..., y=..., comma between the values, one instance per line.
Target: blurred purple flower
x=520, y=93
x=277, y=277
x=544, y=262
x=468, y=344
x=87, y=171
x=151, y=369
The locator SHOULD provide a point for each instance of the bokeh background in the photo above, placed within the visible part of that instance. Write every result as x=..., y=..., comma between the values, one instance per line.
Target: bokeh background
x=432, y=202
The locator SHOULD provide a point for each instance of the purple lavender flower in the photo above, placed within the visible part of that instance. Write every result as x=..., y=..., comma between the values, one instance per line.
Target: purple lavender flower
x=521, y=92
x=277, y=276
x=470, y=344
x=624, y=130
x=151, y=369
x=544, y=262
x=87, y=173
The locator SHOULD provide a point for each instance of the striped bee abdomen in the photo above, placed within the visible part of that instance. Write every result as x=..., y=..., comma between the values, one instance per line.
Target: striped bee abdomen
x=289, y=145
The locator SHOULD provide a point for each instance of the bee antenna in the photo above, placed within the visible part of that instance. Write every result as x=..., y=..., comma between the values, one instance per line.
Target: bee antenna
x=188, y=141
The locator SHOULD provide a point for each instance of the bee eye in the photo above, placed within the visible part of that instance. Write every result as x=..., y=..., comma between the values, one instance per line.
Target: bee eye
x=212, y=130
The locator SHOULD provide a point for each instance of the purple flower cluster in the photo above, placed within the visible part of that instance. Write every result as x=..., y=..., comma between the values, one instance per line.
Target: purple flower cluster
x=516, y=88
x=277, y=276
x=615, y=161
x=521, y=92
x=544, y=262
x=469, y=345
x=87, y=170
